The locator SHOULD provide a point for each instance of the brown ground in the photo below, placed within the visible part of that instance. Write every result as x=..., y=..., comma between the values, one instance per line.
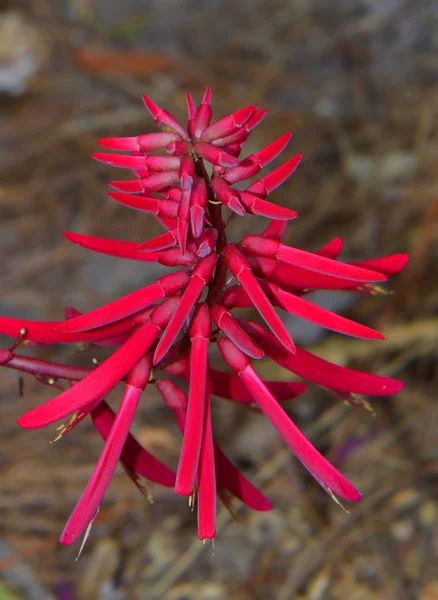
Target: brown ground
x=356, y=80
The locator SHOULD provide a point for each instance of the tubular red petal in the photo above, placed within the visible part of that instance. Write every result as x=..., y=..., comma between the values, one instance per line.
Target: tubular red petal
x=149, y=141
x=128, y=305
x=268, y=154
x=231, y=479
x=245, y=169
x=224, y=320
x=160, y=207
x=179, y=148
x=45, y=332
x=315, y=463
x=316, y=314
x=200, y=332
x=117, y=160
x=332, y=249
x=215, y=155
x=388, y=265
x=183, y=220
x=203, y=114
x=207, y=243
x=152, y=183
x=240, y=268
x=122, y=249
x=242, y=134
x=228, y=125
x=258, y=206
x=198, y=202
x=236, y=297
x=277, y=177
x=187, y=172
x=97, y=384
x=90, y=500
x=275, y=230
x=227, y=195
x=200, y=277
x=307, y=260
x=137, y=459
x=163, y=118
x=206, y=479
x=320, y=371
x=166, y=240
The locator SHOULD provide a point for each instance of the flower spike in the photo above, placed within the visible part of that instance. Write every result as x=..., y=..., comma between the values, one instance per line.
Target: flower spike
x=169, y=326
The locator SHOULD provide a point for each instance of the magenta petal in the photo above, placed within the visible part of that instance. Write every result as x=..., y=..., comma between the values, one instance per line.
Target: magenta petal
x=90, y=500
x=206, y=480
x=200, y=331
x=316, y=464
x=320, y=371
x=128, y=305
x=98, y=383
x=137, y=459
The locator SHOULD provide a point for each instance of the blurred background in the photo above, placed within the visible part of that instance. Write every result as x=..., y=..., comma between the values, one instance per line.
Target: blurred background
x=356, y=80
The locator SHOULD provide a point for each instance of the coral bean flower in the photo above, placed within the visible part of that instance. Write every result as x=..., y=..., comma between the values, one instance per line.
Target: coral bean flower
x=170, y=325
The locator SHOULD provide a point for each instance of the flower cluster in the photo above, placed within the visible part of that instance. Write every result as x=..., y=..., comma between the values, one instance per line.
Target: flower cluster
x=185, y=178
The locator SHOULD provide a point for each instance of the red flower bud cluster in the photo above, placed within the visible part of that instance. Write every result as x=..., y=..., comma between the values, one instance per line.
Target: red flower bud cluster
x=168, y=326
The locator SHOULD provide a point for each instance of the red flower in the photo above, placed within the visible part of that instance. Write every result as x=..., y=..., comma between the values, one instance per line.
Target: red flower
x=168, y=325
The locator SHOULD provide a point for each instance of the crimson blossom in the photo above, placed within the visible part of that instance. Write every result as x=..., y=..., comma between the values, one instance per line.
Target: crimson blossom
x=166, y=328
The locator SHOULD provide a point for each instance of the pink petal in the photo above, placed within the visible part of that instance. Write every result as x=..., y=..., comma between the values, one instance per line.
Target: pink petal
x=308, y=260
x=275, y=230
x=149, y=141
x=317, y=465
x=227, y=195
x=200, y=278
x=90, y=500
x=228, y=125
x=206, y=479
x=45, y=332
x=241, y=135
x=388, y=265
x=215, y=155
x=128, y=305
x=162, y=117
x=224, y=320
x=129, y=250
x=239, y=266
x=152, y=183
x=165, y=240
x=332, y=249
x=316, y=314
x=257, y=206
x=320, y=371
x=203, y=115
x=200, y=332
x=97, y=384
x=277, y=177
